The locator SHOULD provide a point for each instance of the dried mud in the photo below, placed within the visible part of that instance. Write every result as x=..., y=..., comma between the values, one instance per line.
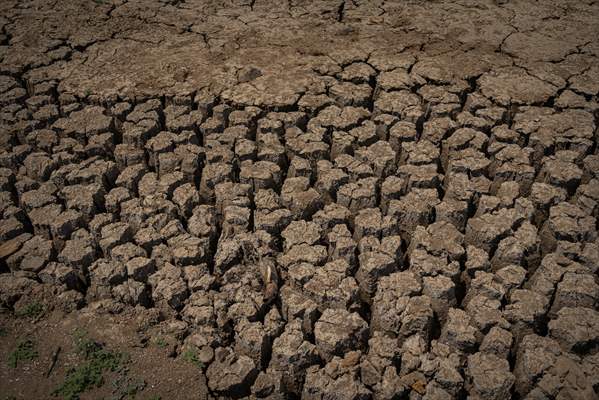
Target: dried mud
x=319, y=199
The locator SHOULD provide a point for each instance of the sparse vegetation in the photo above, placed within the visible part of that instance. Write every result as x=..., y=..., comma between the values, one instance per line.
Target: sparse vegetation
x=25, y=351
x=161, y=342
x=191, y=356
x=126, y=387
x=97, y=361
x=34, y=309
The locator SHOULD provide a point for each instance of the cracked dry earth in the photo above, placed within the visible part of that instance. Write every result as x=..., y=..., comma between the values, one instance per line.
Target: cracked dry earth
x=321, y=199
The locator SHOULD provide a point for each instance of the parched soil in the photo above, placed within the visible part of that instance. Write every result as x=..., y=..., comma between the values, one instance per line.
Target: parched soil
x=152, y=370
x=303, y=199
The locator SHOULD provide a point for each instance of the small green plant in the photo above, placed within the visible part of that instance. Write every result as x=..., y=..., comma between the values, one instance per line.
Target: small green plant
x=155, y=398
x=25, y=351
x=32, y=310
x=125, y=387
x=79, y=334
x=160, y=342
x=191, y=356
x=3, y=332
x=97, y=361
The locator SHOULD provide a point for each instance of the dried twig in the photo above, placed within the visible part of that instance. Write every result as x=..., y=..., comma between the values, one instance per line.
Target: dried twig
x=53, y=361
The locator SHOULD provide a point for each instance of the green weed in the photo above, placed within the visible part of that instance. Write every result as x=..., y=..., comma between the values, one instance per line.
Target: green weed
x=191, y=356
x=125, y=387
x=31, y=310
x=97, y=361
x=25, y=351
x=160, y=342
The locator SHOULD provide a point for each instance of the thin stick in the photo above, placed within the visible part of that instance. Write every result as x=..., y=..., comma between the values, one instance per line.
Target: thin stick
x=53, y=362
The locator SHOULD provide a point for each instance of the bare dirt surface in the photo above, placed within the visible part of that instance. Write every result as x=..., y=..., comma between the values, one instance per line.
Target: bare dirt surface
x=284, y=200
x=151, y=370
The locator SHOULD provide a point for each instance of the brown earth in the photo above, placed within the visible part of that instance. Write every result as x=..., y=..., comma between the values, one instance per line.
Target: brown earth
x=163, y=376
